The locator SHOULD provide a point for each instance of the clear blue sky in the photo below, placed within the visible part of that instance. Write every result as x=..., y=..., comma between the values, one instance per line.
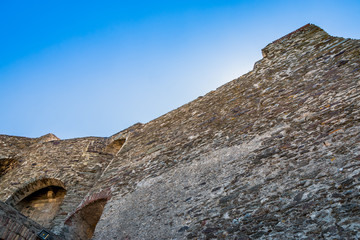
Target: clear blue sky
x=93, y=68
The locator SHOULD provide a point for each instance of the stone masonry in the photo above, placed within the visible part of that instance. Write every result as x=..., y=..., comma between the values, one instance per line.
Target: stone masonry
x=274, y=154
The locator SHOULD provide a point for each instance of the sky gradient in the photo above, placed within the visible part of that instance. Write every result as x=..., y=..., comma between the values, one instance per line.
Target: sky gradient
x=94, y=68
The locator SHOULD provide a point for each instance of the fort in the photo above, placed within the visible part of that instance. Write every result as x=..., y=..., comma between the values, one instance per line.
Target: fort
x=273, y=154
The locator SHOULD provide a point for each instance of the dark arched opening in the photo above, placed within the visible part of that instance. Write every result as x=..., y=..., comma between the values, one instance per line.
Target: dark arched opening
x=82, y=223
x=42, y=205
x=39, y=200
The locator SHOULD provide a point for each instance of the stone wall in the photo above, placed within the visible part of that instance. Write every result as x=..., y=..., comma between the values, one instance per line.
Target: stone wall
x=271, y=155
x=15, y=226
x=73, y=164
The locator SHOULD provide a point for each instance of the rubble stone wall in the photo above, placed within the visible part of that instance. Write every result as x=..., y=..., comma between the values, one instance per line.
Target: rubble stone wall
x=73, y=164
x=273, y=154
x=15, y=226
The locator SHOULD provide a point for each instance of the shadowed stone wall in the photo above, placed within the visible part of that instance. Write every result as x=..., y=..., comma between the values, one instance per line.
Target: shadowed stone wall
x=82, y=224
x=15, y=226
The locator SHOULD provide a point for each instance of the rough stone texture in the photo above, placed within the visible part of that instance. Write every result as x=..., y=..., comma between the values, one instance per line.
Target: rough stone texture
x=73, y=164
x=15, y=226
x=273, y=154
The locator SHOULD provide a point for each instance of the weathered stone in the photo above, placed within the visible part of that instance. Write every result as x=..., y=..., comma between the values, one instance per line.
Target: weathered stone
x=272, y=154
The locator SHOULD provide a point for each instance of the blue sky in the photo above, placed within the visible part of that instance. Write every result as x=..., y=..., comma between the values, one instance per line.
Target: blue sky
x=93, y=68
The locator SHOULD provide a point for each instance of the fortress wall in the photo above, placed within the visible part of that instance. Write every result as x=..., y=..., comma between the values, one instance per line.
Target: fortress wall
x=269, y=155
x=76, y=163
x=16, y=226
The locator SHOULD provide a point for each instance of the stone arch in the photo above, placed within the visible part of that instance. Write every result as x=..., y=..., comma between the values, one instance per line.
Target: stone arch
x=33, y=187
x=82, y=223
x=39, y=200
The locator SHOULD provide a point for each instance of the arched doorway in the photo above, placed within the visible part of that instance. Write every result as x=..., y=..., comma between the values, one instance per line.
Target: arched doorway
x=39, y=200
x=83, y=222
x=42, y=205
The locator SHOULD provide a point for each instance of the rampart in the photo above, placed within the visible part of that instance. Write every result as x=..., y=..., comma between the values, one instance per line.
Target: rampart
x=271, y=155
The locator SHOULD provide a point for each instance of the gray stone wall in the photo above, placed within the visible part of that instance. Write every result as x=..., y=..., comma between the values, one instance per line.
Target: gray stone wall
x=75, y=163
x=271, y=155
x=15, y=226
